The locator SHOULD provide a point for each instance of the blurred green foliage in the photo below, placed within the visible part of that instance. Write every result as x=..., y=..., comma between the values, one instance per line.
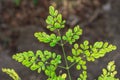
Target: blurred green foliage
x=17, y=2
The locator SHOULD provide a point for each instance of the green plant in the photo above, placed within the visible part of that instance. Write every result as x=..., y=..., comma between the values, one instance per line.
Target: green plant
x=48, y=62
x=11, y=73
x=109, y=73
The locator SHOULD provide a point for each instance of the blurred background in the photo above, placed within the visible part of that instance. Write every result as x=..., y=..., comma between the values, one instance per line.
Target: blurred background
x=19, y=19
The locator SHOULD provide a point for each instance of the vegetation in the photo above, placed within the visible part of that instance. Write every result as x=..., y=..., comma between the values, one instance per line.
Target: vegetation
x=17, y=2
x=109, y=73
x=11, y=73
x=48, y=61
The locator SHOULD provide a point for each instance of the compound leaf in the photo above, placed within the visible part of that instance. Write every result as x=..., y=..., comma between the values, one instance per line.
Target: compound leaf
x=72, y=35
x=54, y=20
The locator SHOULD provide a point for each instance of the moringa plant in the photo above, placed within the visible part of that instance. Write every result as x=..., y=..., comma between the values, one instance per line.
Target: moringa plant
x=109, y=73
x=11, y=73
x=48, y=61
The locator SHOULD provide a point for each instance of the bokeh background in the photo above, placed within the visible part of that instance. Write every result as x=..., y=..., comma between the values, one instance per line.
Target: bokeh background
x=99, y=19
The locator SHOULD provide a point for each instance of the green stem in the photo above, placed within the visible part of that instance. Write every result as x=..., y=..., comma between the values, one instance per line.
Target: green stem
x=72, y=65
x=62, y=67
x=65, y=58
x=67, y=67
x=69, y=74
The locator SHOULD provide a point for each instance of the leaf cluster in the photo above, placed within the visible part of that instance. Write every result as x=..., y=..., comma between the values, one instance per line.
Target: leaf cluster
x=83, y=76
x=97, y=50
x=54, y=20
x=72, y=35
x=91, y=52
x=11, y=73
x=41, y=61
x=86, y=52
x=109, y=73
x=51, y=39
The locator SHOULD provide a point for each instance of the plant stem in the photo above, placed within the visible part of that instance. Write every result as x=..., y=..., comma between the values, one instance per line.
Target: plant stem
x=69, y=74
x=63, y=50
x=72, y=64
x=67, y=67
x=62, y=67
x=64, y=56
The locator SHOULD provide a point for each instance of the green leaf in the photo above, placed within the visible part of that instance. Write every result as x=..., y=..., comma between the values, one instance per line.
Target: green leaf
x=64, y=76
x=47, y=72
x=75, y=29
x=114, y=73
x=53, y=36
x=76, y=46
x=38, y=53
x=87, y=53
x=105, y=45
x=58, y=57
x=69, y=33
x=34, y=67
x=52, y=44
x=50, y=20
x=52, y=62
x=72, y=34
x=98, y=44
x=51, y=10
x=57, y=25
x=43, y=67
x=59, y=18
x=39, y=70
x=40, y=63
x=82, y=46
x=79, y=52
x=53, y=55
x=70, y=58
x=76, y=37
x=86, y=42
x=58, y=38
x=78, y=67
x=64, y=37
x=73, y=51
x=104, y=72
x=55, y=13
x=84, y=67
